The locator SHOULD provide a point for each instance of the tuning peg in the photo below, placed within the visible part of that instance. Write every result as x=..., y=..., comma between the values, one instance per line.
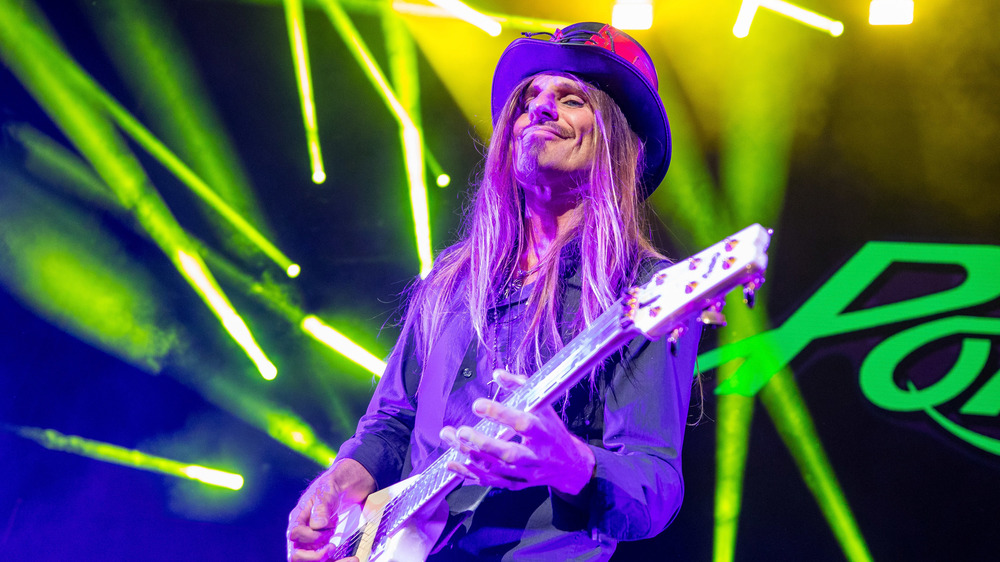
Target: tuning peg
x=712, y=317
x=673, y=337
x=750, y=289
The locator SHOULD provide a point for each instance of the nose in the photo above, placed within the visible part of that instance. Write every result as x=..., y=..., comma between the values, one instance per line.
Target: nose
x=542, y=108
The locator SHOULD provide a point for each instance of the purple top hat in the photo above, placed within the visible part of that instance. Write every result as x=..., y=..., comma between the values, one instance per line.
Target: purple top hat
x=608, y=59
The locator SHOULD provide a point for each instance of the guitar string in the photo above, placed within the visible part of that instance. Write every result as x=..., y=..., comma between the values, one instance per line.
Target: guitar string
x=523, y=397
x=605, y=326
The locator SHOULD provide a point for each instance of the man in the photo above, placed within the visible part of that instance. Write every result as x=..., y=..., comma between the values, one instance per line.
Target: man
x=553, y=237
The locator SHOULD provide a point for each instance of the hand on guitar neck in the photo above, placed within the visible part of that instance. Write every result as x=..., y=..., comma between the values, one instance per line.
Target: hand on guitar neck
x=312, y=522
x=547, y=455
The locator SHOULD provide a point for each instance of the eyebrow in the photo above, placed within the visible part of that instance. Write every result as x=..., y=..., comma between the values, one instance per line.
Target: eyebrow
x=563, y=88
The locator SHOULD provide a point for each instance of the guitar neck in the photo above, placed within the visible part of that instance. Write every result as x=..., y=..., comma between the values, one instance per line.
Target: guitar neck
x=567, y=367
x=654, y=309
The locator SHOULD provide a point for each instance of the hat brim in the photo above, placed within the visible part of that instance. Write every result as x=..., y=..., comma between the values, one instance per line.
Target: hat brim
x=635, y=96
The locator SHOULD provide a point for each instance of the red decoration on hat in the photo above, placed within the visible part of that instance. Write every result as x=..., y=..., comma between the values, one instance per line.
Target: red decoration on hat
x=611, y=39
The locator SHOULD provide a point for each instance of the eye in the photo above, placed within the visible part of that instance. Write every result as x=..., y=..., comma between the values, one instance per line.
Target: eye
x=574, y=101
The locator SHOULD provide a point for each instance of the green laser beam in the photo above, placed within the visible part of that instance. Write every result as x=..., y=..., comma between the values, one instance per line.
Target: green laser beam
x=106, y=452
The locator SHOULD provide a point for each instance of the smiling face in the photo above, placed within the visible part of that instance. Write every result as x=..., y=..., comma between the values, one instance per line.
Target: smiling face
x=554, y=137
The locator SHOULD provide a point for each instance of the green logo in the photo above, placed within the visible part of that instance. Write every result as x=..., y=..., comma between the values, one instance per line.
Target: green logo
x=825, y=314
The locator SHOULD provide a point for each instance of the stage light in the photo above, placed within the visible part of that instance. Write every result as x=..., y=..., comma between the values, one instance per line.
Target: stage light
x=890, y=12
x=442, y=179
x=463, y=12
x=340, y=343
x=632, y=14
x=509, y=21
x=213, y=477
x=97, y=450
x=743, y=20
x=231, y=321
x=411, y=137
x=77, y=77
x=295, y=21
x=68, y=95
x=293, y=270
x=817, y=21
x=154, y=62
x=281, y=424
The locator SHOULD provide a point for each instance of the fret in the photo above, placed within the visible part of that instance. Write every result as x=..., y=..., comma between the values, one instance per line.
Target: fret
x=688, y=288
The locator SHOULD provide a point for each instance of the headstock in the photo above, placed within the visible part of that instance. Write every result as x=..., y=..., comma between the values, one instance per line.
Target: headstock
x=699, y=284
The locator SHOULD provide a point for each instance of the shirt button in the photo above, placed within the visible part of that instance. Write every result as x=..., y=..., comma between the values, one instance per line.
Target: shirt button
x=467, y=373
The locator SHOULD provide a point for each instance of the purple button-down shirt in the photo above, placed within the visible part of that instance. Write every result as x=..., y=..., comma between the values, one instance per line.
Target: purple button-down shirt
x=633, y=419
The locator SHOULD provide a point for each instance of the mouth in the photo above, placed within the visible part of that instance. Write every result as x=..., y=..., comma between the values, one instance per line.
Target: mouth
x=543, y=129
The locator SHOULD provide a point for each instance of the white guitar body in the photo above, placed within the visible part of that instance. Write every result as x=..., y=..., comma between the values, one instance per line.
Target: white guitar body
x=402, y=523
x=411, y=543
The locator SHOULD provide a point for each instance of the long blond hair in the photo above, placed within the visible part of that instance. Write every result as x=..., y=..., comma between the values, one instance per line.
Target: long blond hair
x=608, y=234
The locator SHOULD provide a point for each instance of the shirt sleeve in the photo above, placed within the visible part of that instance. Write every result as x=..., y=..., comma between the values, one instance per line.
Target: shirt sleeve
x=382, y=438
x=638, y=485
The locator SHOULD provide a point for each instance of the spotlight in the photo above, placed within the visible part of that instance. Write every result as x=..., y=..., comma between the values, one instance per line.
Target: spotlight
x=891, y=12
x=818, y=21
x=317, y=329
x=632, y=14
x=462, y=11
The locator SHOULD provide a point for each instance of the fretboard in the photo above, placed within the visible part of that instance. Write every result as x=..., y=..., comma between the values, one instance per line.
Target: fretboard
x=567, y=367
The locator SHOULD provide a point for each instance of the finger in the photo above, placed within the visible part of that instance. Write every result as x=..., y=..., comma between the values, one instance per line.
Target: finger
x=489, y=472
x=463, y=471
x=300, y=515
x=304, y=535
x=323, y=508
x=520, y=422
x=319, y=517
x=501, y=451
x=509, y=381
x=449, y=435
x=297, y=554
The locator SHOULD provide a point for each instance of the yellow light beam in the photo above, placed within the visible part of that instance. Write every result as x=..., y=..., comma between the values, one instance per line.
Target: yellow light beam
x=52, y=439
x=43, y=68
x=465, y=13
x=787, y=9
x=784, y=403
x=159, y=151
x=50, y=160
x=412, y=139
x=195, y=272
x=331, y=337
x=295, y=20
x=276, y=299
x=79, y=78
x=735, y=414
x=283, y=425
x=155, y=64
x=509, y=21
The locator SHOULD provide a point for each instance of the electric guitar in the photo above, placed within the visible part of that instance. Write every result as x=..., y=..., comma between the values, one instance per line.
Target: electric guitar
x=384, y=528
